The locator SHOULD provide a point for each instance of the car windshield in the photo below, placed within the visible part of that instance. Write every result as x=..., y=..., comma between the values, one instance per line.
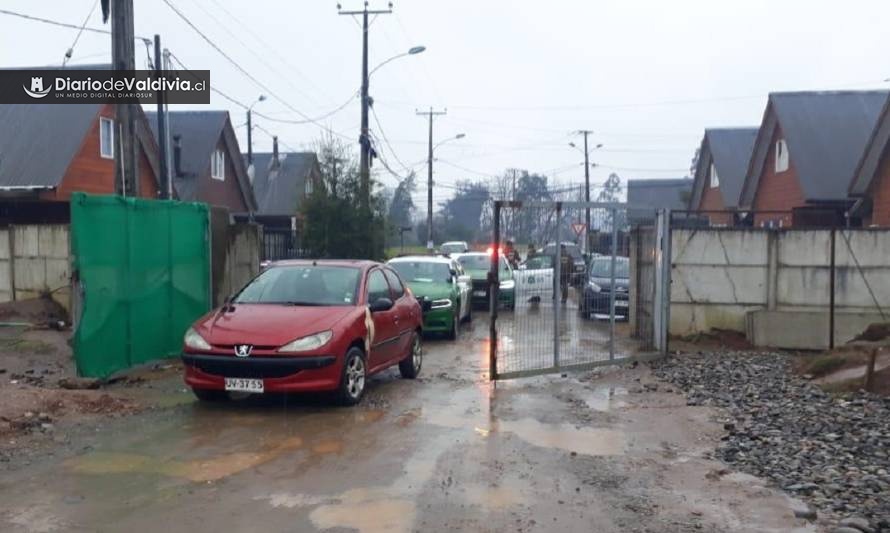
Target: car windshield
x=480, y=262
x=302, y=285
x=422, y=271
x=539, y=262
x=602, y=268
x=453, y=248
x=570, y=249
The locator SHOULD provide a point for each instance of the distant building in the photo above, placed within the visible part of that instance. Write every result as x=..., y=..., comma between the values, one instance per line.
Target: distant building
x=806, y=154
x=207, y=165
x=656, y=194
x=281, y=182
x=720, y=172
x=48, y=151
x=871, y=182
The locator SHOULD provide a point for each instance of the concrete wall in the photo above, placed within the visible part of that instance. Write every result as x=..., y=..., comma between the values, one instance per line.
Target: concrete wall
x=242, y=261
x=34, y=260
x=719, y=276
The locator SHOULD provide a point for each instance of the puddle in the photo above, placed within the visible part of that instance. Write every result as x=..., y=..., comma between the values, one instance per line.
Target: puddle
x=587, y=441
x=604, y=399
x=328, y=446
x=493, y=498
x=200, y=470
x=380, y=516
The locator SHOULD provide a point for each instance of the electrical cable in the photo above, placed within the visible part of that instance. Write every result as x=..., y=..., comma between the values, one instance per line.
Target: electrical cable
x=70, y=51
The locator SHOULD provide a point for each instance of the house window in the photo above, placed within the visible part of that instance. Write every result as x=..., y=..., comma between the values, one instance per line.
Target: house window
x=218, y=165
x=715, y=181
x=309, y=187
x=781, y=155
x=106, y=138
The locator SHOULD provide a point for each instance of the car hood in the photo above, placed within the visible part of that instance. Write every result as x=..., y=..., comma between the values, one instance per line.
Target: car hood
x=269, y=324
x=433, y=291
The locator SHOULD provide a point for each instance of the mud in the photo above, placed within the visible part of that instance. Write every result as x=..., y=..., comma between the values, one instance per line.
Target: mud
x=450, y=452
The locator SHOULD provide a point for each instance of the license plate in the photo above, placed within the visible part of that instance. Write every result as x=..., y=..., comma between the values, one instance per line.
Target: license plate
x=620, y=303
x=478, y=293
x=244, y=385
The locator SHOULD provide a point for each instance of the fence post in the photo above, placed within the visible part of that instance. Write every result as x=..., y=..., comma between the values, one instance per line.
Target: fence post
x=612, y=282
x=557, y=289
x=493, y=285
x=831, y=282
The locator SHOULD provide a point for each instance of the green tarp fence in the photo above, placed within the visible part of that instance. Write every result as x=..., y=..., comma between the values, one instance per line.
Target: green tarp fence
x=143, y=269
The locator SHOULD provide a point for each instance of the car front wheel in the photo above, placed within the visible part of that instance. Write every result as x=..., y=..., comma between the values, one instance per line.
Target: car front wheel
x=409, y=367
x=352, y=380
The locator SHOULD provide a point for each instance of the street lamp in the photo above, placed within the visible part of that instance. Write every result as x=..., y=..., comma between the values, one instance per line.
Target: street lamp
x=429, y=185
x=411, y=51
x=261, y=98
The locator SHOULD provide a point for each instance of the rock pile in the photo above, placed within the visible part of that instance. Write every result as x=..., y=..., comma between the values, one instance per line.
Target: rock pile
x=832, y=451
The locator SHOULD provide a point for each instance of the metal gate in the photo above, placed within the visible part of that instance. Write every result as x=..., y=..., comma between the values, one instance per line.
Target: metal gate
x=576, y=285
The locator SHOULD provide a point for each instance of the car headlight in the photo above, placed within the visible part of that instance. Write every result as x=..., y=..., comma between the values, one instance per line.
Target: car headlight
x=594, y=287
x=508, y=284
x=194, y=340
x=310, y=342
x=441, y=304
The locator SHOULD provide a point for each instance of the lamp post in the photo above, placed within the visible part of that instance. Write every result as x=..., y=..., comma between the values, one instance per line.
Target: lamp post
x=261, y=98
x=429, y=184
x=364, y=140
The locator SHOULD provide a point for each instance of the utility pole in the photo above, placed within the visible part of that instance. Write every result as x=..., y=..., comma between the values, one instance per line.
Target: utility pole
x=249, y=138
x=168, y=151
x=364, y=139
x=162, y=120
x=123, y=58
x=586, y=190
x=429, y=182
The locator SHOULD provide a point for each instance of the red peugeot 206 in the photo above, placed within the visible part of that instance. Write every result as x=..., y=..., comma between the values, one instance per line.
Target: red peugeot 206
x=306, y=326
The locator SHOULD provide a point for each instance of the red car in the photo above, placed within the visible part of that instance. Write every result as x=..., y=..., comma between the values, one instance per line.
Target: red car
x=305, y=326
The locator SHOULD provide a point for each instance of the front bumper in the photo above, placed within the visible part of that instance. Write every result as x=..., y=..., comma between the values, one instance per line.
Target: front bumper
x=598, y=302
x=279, y=373
x=506, y=297
x=438, y=320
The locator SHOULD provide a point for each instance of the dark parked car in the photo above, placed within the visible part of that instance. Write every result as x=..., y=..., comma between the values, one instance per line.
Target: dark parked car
x=598, y=289
x=579, y=265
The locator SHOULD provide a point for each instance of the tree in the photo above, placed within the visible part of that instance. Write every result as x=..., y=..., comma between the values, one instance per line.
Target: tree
x=461, y=213
x=401, y=208
x=333, y=222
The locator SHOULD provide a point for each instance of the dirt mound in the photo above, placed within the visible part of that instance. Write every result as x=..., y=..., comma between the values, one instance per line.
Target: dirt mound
x=878, y=331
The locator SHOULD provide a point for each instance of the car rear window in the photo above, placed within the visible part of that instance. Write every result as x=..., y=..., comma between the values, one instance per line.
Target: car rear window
x=302, y=285
x=422, y=271
x=479, y=262
x=602, y=268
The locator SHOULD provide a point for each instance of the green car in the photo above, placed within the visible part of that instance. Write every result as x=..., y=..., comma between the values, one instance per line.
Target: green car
x=441, y=287
x=477, y=265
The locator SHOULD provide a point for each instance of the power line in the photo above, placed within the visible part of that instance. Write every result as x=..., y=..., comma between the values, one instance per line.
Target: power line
x=51, y=22
x=80, y=31
x=386, y=141
x=241, y=69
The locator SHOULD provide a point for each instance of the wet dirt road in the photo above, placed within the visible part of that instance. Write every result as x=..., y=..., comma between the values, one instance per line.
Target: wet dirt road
x=448, y=452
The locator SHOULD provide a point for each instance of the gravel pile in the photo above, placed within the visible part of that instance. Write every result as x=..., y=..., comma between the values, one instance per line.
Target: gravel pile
x=833, y=452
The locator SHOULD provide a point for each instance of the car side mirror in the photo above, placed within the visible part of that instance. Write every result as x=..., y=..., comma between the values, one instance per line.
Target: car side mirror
x=380, y=304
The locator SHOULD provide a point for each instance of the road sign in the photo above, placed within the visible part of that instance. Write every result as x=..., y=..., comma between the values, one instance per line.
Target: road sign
x=578, y=228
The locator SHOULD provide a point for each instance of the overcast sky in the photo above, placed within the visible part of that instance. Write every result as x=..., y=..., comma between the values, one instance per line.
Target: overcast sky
x=517, y=77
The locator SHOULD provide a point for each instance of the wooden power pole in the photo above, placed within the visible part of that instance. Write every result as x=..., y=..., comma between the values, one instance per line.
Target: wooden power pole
x=123, y=58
